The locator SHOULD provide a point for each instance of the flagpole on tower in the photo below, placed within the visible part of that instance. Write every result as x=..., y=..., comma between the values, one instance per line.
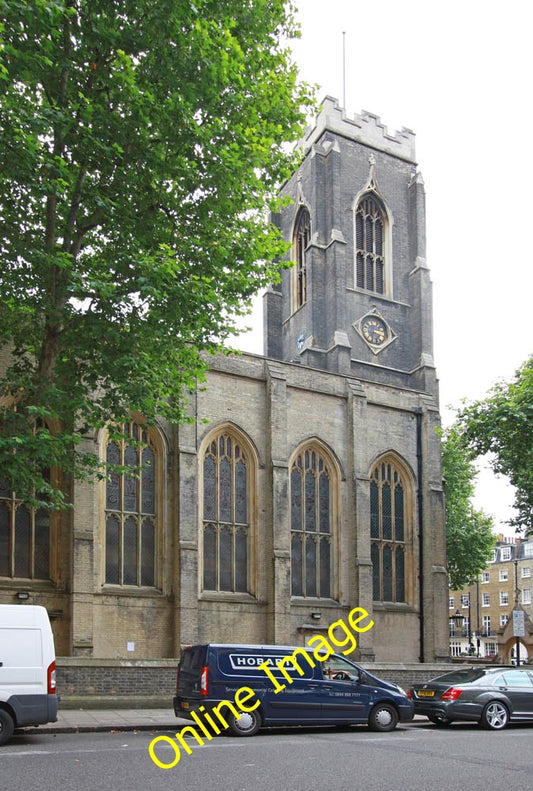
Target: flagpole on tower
x=344, y=69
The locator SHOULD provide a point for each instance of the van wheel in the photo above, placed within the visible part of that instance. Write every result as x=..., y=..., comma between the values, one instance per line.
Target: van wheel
x=246, y=725
x=383, y=717
x=7, y=726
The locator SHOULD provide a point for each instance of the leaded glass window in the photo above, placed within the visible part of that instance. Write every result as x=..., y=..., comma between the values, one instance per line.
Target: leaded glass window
x=369, y=242
x=226, y=515
x=387, y=533
x=311, y=525
x=302, y=236
x=25, y=536
x=130, y=508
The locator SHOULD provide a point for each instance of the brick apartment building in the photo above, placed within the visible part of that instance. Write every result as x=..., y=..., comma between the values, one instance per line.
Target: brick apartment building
x=487, y=607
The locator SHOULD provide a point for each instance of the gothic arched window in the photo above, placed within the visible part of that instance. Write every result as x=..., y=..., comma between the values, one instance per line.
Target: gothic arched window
x=227, y=476
x=388, y=532
x=131, y=519
x=25, y=538
x=312, y=496
x=370, y=225
x=301, y=238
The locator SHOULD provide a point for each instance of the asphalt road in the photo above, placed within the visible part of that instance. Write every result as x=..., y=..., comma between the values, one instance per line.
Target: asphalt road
x=416, y=756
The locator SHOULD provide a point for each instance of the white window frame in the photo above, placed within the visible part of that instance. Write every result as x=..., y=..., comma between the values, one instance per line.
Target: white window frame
x=485, y=576
x=503, y=575
x=526, y=572
x=485, y=600
x=504, y=598
x=526, y=596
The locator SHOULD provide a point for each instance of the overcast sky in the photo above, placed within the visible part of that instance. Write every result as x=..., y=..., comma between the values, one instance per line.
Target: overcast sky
x=459, y=76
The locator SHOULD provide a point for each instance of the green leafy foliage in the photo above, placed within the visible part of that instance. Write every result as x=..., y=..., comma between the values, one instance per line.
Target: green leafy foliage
x=141, y=147
x=502, y=425
x=469, y=536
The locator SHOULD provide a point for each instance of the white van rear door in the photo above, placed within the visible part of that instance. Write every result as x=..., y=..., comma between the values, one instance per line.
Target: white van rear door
x=21, y=662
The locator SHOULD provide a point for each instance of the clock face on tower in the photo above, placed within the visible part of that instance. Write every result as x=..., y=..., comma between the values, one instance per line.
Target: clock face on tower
x=374, y=330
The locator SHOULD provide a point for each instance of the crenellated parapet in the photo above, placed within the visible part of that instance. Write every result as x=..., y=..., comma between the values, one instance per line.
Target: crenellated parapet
x=365, y=128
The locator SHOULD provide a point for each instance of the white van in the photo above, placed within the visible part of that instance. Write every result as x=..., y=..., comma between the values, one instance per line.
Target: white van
x=27, y=668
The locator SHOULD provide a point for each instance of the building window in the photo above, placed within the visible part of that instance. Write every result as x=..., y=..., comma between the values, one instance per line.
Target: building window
x=455, y=649
x=485, y=576
x=301, y=239
x=491, y=649
x=504, y=575
x=25, y=536
x=493, y=558
x=504, y=598
x=528, y=549
x=227, y=477
x=486, y=626
x=451, y=604
x=388, y=532
x=370, y=226
x=526, y=571
x=485, y=600
x=465, y=600
x=506, y=553
x=526, y=596
x=503, y=620
x=131, y=520
x=312, y=500
x=452, y=627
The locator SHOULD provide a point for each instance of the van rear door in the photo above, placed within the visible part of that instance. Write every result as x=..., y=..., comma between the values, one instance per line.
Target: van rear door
x=192, y=665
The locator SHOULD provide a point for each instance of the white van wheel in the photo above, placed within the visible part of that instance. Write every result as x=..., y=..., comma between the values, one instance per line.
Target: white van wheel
x=246, y=725
x=7, y=726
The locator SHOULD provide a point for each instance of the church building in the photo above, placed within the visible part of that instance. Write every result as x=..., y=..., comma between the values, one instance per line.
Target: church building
x=309, y=482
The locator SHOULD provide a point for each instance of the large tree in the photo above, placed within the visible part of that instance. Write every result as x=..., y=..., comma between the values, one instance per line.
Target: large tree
x=501, y=425
x=141, y=145
x=469, y=536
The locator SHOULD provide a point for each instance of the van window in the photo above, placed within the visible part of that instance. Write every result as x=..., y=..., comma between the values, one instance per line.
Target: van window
x=337, y=668
x=192, y=657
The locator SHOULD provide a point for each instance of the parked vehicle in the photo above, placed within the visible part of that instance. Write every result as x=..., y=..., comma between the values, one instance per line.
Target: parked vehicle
x=491, y=696
x=27, y=668
x=306, y=691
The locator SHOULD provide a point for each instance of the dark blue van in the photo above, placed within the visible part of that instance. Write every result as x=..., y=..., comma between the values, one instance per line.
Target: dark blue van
x=291, y=685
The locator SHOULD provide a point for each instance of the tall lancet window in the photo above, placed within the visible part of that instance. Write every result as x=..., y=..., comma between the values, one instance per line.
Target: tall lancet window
x=312, y=504
x=227, y=472
x=369, y=240
x=390, y=533
x=301, y=239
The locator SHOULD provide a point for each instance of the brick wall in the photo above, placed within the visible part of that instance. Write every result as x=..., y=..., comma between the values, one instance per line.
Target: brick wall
x=109, y=683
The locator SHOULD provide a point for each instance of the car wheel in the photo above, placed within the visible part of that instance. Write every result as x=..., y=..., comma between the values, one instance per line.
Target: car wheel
x=383, y=717
x=495, y=716
x=7, y=726
x=440, y=721
x=246, y=725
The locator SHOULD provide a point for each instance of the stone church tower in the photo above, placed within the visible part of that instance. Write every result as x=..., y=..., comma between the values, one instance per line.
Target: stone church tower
x=309, y=481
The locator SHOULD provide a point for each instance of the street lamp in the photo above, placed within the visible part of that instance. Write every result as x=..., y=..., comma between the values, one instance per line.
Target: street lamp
x=458, y=619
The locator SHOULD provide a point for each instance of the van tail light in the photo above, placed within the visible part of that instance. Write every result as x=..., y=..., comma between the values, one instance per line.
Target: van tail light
x=409, y=693
x=204, y=681
x=451, y=694
x=51, y=678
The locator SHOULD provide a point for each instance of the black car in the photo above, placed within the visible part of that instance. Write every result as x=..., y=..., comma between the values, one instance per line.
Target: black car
x=491, y=696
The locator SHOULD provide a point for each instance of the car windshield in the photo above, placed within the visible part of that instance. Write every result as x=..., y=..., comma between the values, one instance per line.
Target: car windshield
x=466, y=676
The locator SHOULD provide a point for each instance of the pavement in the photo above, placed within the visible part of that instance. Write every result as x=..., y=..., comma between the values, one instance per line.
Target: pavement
x=111, y=720
x=115, y=720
